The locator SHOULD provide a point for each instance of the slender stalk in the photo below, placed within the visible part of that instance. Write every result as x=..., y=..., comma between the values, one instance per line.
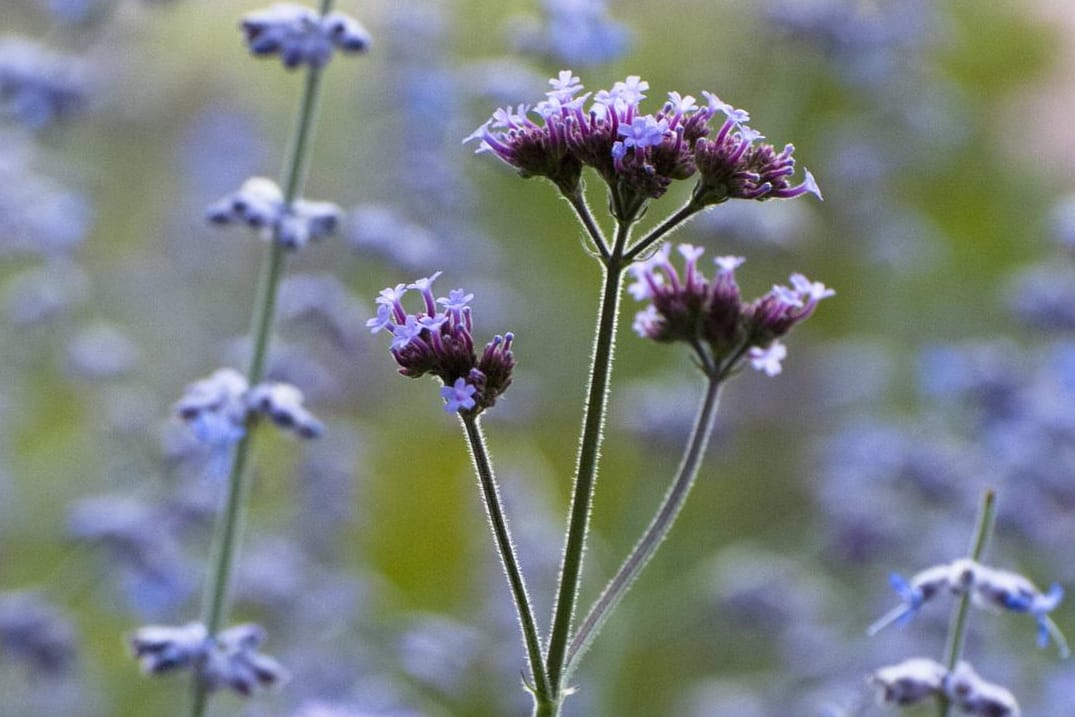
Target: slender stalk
x=229, y=524
x=586, y=472
x=582, y=211
x=957, y=631
x=658, y=528
x=671, y=222
x=498, y=522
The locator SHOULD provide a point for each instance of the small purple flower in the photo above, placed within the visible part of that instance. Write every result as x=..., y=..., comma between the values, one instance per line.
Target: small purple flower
x=437, y=340
x=459, y=396
x=768, y=359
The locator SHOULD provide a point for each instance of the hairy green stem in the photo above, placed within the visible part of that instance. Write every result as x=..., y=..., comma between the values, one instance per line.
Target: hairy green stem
x=673, y=221
x=498, y=522
x=586, y=471
x=229, y=523
x=957, y=631
x=582, y=210
x=658, y=529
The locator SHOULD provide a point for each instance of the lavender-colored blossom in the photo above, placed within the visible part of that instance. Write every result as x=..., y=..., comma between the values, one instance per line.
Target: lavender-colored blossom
x=909, y=682
x=689, y=307
x=769, y=359
x=38, y=216
x=215, y=407
x=259, y=203
x=219, y=407
x=282, y=403
x=140, y=542
x=989, y=587
x=101, y=351
x=229, y=659
x=38, y=86
x=300, y=36
x=578, y=32
x=975, y=696
x=459, y=396
x=437, y=340
x=34, y=631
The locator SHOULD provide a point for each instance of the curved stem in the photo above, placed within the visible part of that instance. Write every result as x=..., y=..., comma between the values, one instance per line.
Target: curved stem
x=658, y=528
x=498, y=522
x=671, y=222
x=957, y=631
x=586, y=472
x=582, y=211
x=229, y=523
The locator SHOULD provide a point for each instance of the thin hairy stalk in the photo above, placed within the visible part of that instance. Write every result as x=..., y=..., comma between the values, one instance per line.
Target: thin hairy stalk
x=229, y=524
x=658, y=529
x=957, y=631
x=658, y=232
x=586, y=471
x=498, y=522
x=582, y=211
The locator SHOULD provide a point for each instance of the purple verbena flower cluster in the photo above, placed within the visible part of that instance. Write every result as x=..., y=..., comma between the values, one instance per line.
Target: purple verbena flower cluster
x=690, y=308
x=989, y=588
x=437, y=340
x=918, y=679
x=229, y=659
x=260, y=204
x=300, y=36
x=639, y=155
x=219, y=407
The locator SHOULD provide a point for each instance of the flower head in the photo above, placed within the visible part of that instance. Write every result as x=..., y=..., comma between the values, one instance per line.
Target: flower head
x=686, y=306
x=228, y=659
x=988, y=587
x=640, y=154
x=300, y=36
x=437, y=340
x=260, y=204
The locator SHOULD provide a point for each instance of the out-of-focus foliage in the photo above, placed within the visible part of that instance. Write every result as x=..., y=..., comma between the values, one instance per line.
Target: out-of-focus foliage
x=945, y=363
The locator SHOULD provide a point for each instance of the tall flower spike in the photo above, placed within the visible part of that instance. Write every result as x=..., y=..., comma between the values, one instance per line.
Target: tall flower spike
x=437, y=340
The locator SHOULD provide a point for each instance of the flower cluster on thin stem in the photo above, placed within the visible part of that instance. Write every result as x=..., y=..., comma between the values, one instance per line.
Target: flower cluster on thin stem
x=224, y=407
x=437, y=340
x=711, y=317
x=639, y=155
x=954, y=683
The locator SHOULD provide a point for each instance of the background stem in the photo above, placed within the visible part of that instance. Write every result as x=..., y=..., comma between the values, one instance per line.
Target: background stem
x=229, y=523
x=957, y=631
